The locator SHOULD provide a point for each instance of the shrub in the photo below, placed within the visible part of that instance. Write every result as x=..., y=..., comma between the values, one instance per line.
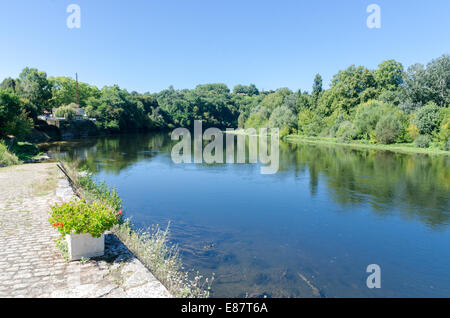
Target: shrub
x=428, y=118
x=79, y=217
x=7, y=158
x=346, y=131
x=25, y=150
x=258, y=117
x=422, y=141
x=93, y=191
x=446, y=146
x=285, y=131
x=310, y=123
x=388, y=129
x=367, y=116
x=412, y=131
x=282, y=117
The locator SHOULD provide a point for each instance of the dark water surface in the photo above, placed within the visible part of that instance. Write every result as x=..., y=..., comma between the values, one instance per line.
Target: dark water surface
x=309, y=230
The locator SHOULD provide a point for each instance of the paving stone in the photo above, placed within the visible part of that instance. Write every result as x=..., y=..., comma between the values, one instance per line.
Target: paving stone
x=30, y=263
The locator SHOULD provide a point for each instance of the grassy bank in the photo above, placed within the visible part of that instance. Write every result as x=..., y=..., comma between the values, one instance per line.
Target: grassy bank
x=400, y=148
x=150, y=246
x=7, y=157
x=17, y=153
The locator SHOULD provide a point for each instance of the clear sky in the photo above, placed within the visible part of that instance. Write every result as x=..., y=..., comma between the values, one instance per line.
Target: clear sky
x=149, y=45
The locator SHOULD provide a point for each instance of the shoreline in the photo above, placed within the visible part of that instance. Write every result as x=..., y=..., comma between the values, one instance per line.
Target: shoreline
x=397, y=148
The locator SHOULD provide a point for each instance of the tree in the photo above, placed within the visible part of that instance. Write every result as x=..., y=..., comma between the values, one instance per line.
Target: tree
x=389, y=75
x=9, y=83
x=64, y=91
x=317, y=88
x=438, y=80
x=304, y=101
x=34, y=86
x=349, y=88
x=428, y=118
x=249, y=90
x=290, y=102
x=432, y=83
x=13, y=119
x=66, y=111
x=276, y=99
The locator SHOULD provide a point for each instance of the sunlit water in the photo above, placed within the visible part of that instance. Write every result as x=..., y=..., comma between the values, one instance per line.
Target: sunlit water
x=309, y=230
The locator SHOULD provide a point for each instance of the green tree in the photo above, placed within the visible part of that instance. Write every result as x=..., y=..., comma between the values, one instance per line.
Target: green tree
x=66, y=111
x=64, y=91
x=34, y=86
x=317, y=88
x=13, y=119
x=428, y=118
x=249, y=90
x=9, y=83
x=349, y=88
x=389, y=75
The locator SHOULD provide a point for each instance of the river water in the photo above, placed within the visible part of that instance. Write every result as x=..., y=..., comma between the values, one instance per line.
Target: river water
x=309, y=230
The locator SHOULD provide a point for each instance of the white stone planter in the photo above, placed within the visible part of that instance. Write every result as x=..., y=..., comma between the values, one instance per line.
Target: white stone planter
x=85, y=245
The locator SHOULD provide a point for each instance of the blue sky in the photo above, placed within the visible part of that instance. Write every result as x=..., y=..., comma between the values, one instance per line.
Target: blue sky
x=149, y=45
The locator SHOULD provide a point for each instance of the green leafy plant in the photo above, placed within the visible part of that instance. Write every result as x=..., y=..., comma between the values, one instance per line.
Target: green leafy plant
x=77, y=217
x=388, y=129
x=422, y=141
x=100, y=192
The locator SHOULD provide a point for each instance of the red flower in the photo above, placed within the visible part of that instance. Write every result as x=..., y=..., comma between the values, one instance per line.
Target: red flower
x=120, y=212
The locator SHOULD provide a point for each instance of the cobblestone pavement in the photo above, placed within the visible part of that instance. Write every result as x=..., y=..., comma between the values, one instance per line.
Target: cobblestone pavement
x=31, y=264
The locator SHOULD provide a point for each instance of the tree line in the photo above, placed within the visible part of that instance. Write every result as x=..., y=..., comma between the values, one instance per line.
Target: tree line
x=385, y=105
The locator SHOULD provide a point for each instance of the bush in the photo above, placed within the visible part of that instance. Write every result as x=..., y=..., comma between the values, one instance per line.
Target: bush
x=93, y=191
x=367, y=116
x=428, y=118
x=25, y=150
x=79, y=217
x=258, y=118
x=346, y=132
x=422, y=141
x=282, y=117
x=446, y=146
x=412, y=131
x=310, y=123
x=7, y=158
x=388, y=129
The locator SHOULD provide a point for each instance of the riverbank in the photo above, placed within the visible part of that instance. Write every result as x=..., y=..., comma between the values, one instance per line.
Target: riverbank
x=400, y=148
x=31, y=263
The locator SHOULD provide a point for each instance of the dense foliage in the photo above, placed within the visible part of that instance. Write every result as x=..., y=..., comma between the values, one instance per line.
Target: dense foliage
x=385, y=105
x=78, y=217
